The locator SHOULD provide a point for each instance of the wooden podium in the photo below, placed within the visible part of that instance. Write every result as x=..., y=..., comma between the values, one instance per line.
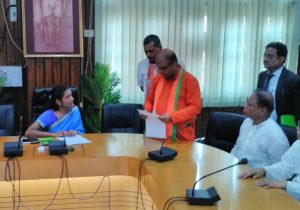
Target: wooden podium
x=115, y=159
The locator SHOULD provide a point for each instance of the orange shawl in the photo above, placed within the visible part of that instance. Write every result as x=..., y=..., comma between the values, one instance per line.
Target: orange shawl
x=173, y=101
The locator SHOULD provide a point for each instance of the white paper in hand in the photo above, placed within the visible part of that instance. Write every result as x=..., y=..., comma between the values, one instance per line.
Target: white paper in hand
x=155, y=128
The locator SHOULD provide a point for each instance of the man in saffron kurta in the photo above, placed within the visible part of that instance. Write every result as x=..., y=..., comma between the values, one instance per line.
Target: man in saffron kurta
x=174, y=95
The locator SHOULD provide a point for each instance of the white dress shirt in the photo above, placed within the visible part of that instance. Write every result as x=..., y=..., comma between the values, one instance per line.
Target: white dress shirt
x=142, y=74
x=261, y=144
x=272, y=89
x=286, y=168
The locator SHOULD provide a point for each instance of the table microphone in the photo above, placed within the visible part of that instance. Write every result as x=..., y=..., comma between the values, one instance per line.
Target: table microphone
x=164, y=153
x=58, y=147
x=210, y=195
x=13, y=149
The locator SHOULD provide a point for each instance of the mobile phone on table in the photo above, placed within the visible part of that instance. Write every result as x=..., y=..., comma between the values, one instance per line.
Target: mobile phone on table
x=30, y=140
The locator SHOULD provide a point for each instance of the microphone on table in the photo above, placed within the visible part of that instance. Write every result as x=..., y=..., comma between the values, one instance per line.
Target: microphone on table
x=58, y=147
x=164, y=153
x=210, y=195
x=13, y=149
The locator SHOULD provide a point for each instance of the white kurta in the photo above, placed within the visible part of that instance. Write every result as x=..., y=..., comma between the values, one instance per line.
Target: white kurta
x=261, y=144
x=288, y=167
x=142, y=74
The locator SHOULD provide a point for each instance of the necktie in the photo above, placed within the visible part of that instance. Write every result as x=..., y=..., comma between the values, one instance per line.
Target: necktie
x=267, y=82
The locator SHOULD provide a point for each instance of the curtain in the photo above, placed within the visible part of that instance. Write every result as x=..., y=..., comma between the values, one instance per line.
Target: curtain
x=221, y=42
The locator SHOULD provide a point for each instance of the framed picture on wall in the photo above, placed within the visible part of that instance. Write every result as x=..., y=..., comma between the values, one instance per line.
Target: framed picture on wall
x=52, y=28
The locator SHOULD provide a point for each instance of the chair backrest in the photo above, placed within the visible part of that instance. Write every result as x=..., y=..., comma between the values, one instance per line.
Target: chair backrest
x=223, y=130
x=291, y=133
x=121, y=118
x=7, y=120
x=41, y=102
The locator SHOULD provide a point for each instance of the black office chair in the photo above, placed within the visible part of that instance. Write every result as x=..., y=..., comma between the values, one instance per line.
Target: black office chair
x=121, y=118
x=223, y=130
x=41, y=100
x=7, y=120
x=291, y=133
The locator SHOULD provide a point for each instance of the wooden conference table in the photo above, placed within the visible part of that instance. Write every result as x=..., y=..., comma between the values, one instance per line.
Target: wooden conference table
x=118, y=156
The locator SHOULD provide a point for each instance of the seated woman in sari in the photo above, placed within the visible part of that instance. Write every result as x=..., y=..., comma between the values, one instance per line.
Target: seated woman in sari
x=63, y=119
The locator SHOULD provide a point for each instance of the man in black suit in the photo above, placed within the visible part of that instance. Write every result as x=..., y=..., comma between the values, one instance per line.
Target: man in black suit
x=281, y=82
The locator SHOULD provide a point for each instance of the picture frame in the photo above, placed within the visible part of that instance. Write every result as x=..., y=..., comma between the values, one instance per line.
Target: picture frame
x=52, y=28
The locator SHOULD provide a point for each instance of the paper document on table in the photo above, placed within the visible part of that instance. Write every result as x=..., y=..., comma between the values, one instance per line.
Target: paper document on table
x=72, y=140
x=155, y=128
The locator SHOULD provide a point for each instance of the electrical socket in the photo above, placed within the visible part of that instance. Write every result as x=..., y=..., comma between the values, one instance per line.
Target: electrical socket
x=13, y=14
x=12, y=2
x=88, y=33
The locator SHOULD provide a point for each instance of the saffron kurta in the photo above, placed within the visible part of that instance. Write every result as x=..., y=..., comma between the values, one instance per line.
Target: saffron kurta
x=189, y=104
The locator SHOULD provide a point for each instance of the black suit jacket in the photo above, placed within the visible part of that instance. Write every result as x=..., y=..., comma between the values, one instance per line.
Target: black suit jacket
x=287, y=93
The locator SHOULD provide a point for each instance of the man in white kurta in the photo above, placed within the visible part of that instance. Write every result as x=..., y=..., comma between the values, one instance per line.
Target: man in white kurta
x=287, y=168
x=261, y=144
x=261, y=140
x=143, y=80
x=284, y=174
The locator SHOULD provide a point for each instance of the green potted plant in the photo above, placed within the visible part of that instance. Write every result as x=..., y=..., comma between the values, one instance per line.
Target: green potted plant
x=101, y=87
x=3, y=79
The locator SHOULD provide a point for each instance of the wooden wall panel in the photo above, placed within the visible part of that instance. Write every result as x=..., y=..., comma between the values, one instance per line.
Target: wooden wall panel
x=74, y=72
x=56, y=71
x=10, y=53
x=30, y=84
x=39, y=77
x=65, y=71
x=48, y=72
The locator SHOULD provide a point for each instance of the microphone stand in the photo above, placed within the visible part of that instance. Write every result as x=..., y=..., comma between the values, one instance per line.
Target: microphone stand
x=210, y=195
x=58, y=147
x=13, y=149
x=164, y=153
x=20, y=143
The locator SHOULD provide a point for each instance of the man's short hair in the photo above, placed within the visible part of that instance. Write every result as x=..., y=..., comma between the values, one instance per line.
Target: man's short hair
x=265, y=99
x=280, y=47
x=152, y=38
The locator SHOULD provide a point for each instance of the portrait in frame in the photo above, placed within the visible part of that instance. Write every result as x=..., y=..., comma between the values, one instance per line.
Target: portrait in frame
x=52, y=28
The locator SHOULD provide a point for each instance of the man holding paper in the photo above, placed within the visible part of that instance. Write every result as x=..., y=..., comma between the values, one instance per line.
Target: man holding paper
x=174, y=95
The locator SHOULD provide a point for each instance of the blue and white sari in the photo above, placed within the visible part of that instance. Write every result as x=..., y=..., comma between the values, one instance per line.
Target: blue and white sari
x=70, y=121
